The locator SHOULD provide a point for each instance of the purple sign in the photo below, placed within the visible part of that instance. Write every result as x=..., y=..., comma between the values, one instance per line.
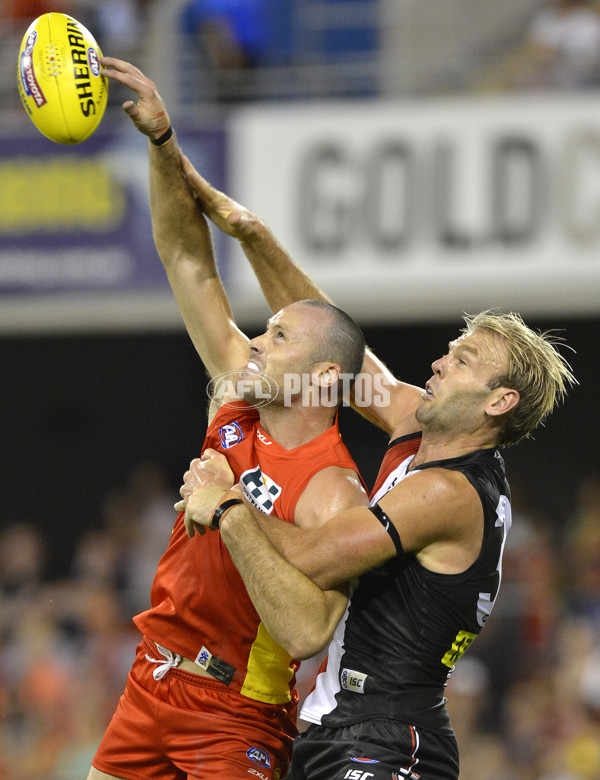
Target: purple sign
x=77, y=218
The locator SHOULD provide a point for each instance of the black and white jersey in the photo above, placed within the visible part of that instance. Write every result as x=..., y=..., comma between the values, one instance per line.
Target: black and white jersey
x=406, y=626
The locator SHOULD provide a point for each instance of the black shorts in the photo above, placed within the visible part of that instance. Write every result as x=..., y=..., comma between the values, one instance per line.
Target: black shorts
x=373, y=750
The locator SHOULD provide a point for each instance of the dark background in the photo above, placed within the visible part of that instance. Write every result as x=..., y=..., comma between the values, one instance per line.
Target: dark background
x=79, y=413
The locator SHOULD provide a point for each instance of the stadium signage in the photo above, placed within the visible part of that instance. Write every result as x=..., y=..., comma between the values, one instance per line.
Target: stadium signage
x=427, y=208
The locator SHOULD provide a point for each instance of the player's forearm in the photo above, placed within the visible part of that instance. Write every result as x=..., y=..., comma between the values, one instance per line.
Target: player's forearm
x=299, y=548
x=281, y=280
x=337, y=552
x=178, y=225
x=184, y=244
x=296, y=612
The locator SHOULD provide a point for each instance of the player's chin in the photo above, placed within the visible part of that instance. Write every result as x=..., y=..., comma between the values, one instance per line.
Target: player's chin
x=423, y=412
x=260, y=399
x=258, y=389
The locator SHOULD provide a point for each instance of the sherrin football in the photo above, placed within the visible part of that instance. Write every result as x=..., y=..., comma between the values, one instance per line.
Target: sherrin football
x=59, y=78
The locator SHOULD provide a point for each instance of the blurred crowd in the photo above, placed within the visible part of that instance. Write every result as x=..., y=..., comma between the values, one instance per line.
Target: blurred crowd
x=525, y=699
x=66, y=644
x=224, y=51
x=114, y=22
x=558, y=50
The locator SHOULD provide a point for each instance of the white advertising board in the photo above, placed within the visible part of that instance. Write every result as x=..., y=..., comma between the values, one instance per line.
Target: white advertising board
x=422, y=210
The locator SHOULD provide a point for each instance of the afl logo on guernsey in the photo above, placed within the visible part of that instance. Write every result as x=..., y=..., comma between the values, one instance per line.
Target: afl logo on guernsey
x=259, y=757
x=230, y=435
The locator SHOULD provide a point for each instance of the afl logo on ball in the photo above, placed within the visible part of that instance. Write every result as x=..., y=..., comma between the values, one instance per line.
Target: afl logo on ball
x=93, y=61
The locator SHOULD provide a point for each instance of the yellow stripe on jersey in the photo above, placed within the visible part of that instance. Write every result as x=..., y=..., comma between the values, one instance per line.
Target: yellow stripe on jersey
x=269, y=672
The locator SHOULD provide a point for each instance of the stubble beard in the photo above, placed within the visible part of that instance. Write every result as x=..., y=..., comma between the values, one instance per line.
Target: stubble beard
x=259, y=390
x=454, y=417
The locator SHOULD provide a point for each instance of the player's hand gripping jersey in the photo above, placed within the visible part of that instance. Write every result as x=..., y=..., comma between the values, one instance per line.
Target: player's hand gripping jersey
x=200, y=607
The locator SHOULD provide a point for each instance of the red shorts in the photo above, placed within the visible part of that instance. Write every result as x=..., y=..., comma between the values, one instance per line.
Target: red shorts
x=188, y=726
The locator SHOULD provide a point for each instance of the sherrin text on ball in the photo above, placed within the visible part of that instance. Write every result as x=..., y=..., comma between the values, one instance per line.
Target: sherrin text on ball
x=60, y=80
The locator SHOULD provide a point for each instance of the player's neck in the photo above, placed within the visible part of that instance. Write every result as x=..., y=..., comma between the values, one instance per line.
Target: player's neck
x=440, y=446
x=292, y=426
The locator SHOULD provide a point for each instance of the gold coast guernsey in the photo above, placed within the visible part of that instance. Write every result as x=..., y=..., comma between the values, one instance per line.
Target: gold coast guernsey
x=200, y=606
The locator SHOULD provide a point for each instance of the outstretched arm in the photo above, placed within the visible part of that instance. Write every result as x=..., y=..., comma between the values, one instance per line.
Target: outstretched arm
x=437, y=515
x=283, y=282
x=180, y=230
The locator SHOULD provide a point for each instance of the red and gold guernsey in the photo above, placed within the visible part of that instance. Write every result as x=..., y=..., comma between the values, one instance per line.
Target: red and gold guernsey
x=200, y=606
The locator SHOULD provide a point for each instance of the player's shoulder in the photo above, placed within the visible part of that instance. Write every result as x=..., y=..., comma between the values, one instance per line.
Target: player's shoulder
x=329, y=491
x=439, y=477
x=337, y=479
x=443, y=492
x=484, y=469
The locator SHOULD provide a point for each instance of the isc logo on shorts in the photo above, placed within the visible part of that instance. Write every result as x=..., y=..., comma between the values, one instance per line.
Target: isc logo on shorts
x=353, y=681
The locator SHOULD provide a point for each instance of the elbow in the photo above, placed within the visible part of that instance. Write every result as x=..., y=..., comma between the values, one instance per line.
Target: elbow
x=306, y=644
x=327, y=579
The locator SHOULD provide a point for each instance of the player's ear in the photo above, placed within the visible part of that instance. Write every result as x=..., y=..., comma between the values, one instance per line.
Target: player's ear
x=502, y=400
x=326, y=374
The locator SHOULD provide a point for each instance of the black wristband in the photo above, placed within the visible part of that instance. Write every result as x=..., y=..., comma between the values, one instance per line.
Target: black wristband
x=389, y=527
x=162, y=139
x=215, y=520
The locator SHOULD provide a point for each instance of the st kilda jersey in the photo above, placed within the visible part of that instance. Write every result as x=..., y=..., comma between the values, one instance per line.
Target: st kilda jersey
x=200, y=606
x=406, y=626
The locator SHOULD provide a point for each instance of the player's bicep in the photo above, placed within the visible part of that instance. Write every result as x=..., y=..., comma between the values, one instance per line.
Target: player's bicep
x=434, y=506
x=350, y=544
x=416, y=512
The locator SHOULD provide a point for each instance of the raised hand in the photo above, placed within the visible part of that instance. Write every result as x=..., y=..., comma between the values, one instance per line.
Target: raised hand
x=148, y=113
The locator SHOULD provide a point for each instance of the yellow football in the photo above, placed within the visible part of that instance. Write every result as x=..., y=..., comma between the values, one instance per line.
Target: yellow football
x=59, y=78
